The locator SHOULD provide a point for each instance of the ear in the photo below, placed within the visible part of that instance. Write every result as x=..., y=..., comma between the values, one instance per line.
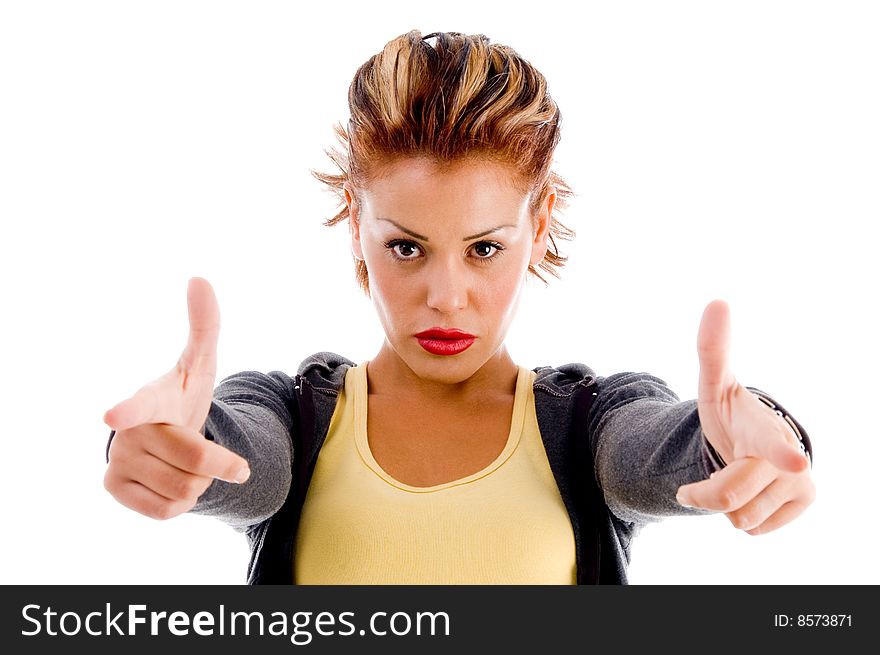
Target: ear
x=354, y=224
x=542, y=228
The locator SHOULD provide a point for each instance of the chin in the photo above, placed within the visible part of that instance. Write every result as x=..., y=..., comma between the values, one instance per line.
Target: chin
x=447, y=369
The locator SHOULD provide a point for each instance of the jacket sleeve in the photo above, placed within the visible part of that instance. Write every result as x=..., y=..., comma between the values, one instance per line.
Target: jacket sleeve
x=646, y=443
x=250, y=415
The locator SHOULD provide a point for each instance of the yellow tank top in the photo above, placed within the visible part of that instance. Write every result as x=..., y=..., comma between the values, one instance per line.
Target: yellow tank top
x=505, y=524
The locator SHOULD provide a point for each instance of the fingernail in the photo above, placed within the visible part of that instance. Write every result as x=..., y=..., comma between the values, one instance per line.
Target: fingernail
x=681, y=500
x=242, y=475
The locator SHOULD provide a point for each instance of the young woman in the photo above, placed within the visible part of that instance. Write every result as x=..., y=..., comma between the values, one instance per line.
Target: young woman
x=440, y=460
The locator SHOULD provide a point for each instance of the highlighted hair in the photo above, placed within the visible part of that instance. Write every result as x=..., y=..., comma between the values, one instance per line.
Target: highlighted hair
x=455, y=99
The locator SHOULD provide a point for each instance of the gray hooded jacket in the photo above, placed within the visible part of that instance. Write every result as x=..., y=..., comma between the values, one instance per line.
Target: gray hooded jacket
x=619, y=448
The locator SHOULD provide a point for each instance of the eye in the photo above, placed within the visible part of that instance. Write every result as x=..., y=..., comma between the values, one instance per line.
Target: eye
x=402, y=250
x=484, y=246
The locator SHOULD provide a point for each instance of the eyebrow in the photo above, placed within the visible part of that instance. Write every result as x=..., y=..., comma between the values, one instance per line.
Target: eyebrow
x=424, y=238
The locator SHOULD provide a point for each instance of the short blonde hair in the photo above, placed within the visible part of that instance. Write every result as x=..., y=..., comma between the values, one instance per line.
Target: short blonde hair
x=459, y=98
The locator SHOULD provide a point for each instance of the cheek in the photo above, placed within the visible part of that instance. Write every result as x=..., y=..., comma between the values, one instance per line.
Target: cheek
x=499, y=293
x=510, y=296
x=391, y=291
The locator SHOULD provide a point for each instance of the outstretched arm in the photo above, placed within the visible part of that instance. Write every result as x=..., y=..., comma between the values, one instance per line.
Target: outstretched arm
x=648, y=445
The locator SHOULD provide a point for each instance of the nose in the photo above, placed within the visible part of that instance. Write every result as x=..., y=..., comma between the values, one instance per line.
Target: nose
x=447, y=283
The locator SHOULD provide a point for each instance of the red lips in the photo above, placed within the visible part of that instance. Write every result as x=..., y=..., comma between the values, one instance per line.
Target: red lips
x=440, y=341
x=441, y=333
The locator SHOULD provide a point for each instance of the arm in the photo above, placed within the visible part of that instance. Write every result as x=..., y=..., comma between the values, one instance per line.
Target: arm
x=250, y=415
x=646, y=444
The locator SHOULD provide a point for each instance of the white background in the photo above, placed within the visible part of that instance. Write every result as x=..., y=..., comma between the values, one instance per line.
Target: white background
x=720, y=150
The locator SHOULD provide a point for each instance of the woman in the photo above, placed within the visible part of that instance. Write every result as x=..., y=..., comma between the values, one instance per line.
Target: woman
x=440, y=460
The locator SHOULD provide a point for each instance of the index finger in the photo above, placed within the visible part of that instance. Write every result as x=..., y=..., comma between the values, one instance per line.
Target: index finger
x=190, y=451
x=731, y=487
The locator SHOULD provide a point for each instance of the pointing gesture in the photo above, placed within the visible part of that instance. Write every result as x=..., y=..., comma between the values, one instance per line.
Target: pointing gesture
x=766, y=482
x=183, y=395
x=159, y=461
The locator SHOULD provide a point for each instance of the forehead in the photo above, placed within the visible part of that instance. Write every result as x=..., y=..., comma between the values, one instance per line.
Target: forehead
x=421, y=181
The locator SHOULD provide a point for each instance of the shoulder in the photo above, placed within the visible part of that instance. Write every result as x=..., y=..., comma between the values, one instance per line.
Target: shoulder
x=324, y=369
x=564, y=379
x=625, y=386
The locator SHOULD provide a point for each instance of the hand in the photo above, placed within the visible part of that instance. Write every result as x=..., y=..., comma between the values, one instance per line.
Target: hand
x=159, y=461
x=766, y=482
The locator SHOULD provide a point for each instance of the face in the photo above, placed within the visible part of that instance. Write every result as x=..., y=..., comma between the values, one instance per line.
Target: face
x=446, y=249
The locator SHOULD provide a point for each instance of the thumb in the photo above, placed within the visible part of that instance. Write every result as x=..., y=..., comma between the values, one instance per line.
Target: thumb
x=139, y=409
x=200, y=355
x=786, y=457
x=713, y=349
x=183, y=395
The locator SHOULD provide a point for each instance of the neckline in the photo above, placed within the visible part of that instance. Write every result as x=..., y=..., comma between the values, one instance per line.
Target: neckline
x=361, y=402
